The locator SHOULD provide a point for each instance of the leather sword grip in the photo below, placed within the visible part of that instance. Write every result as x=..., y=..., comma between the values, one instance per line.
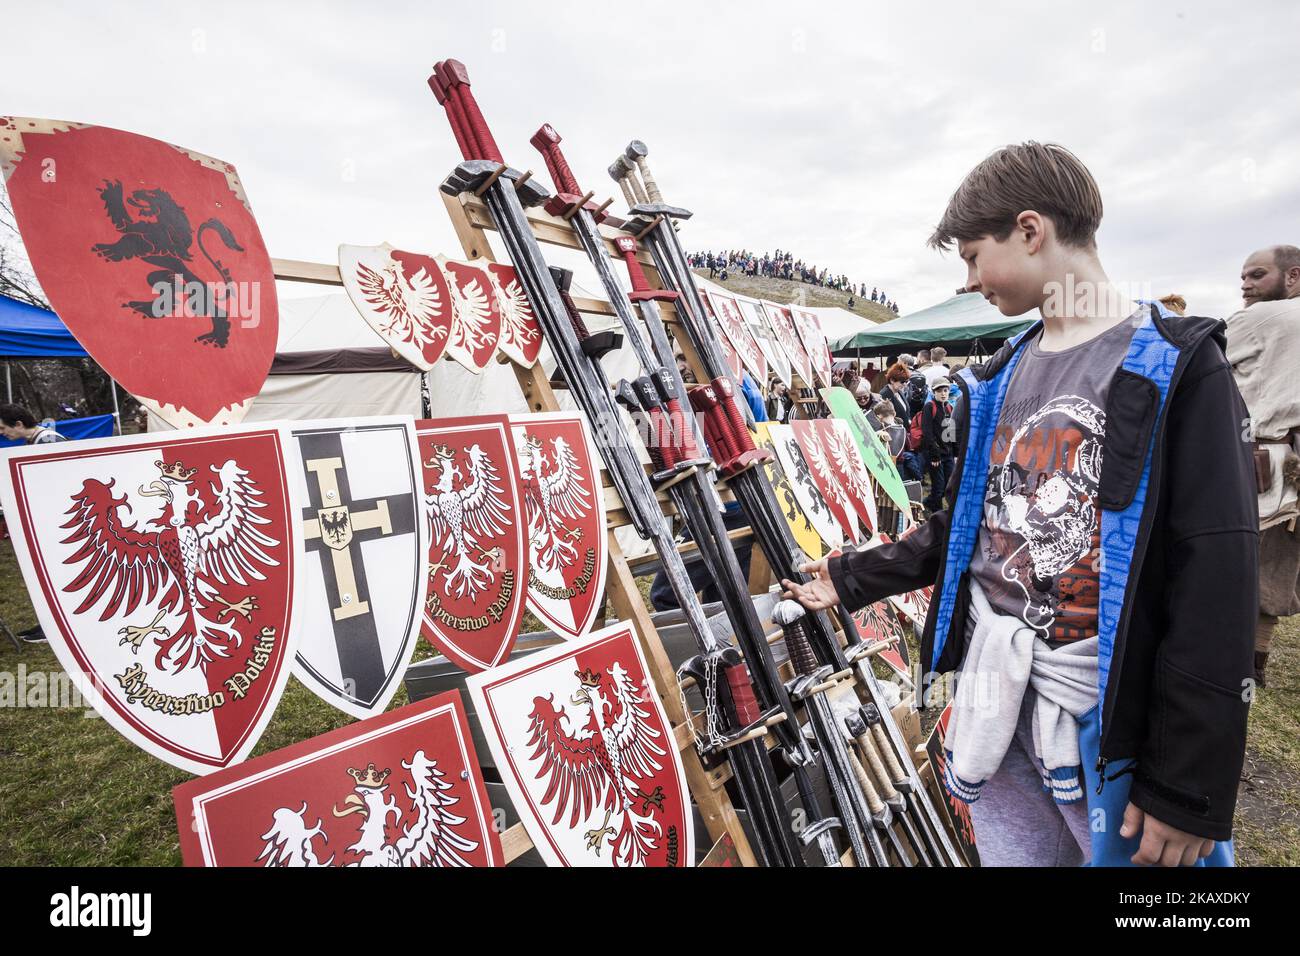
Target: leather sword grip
x=874, y=803
x=547, y=141
x=742, y=695
x=681, y=426
x=468, y=148
x=457, y=80
x=799, y=649
x=882, y=744
x=740, y=434
x=635, y=274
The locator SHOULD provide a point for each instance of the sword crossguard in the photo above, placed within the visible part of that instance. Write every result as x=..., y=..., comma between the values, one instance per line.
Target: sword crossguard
x=641, y=291
x=569, y=197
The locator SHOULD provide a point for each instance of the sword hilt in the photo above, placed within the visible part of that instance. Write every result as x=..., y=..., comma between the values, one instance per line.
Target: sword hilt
x=858, y=730
x=716, y=431
x=569, y=193
x=455, y=118
x=626, y=395
x=547, y=142
x=627, y=174
x=593, y=344
x=874, y=803
x=456, y=81
x=728, y=422
x=636, y=151
x=792, y=619
x=661, y=436
x=617, y=174
x=872, y=718
x=681, y=425
x=735, y=697
x=641, y=290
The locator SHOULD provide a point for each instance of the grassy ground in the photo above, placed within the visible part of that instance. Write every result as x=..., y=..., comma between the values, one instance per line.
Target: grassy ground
x=782, y=291
x=73, y=792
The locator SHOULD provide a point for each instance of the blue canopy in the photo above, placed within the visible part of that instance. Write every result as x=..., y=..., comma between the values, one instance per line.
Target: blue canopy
x=28, y=331
x=96, y=426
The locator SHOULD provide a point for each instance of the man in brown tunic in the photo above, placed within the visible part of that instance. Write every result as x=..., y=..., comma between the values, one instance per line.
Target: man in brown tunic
x=1264, y=351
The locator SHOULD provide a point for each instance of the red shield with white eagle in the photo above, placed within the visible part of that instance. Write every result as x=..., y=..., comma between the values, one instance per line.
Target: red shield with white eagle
x=478, y=558
x=848, y=468
x=559, y=477
x=162, y=570
x=475, y=314
x=726, y=312
x=400, y=789
x=809, y=435
x=521, y=333
x=403, y=296
x=809, y=328
x=787, y=336
x=151, y=256
x=587, y=754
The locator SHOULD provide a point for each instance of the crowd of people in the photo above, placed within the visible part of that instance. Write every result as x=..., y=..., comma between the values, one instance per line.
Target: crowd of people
x=783, y=265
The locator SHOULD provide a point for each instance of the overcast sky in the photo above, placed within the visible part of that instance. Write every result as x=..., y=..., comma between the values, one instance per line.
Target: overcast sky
x=828, y=129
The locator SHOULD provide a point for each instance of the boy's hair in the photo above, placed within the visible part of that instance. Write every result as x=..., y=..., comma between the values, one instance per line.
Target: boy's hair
x=1044, y=177
x=938, y=354
x=1175, y=303
x=898, y=372
x=17, y=415
x=883, y=410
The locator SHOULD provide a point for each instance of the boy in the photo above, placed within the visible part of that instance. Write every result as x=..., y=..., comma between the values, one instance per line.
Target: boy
x=1095, y=569
x=938, y=442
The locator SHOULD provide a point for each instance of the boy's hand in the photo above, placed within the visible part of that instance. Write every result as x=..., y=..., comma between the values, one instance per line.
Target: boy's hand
x=819, y=593
x=1162, y=844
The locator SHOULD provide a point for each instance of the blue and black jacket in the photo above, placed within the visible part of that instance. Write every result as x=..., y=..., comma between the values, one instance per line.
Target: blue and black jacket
x=1178, y=572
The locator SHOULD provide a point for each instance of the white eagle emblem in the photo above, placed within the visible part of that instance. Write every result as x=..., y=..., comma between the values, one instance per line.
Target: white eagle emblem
x=412, y=308
x=848, y=464
x=554, y=490
x=519, y=326
x=431, y=840
x=599, y=765
x=821, y=465
x=471, y=314
x=179, y=553
x=459, y=512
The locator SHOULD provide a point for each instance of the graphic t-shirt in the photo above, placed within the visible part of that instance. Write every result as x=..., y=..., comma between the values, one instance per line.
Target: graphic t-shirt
x=1039, y=543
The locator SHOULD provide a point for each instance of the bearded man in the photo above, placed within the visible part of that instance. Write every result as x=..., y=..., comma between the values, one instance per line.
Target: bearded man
x=1264, y=352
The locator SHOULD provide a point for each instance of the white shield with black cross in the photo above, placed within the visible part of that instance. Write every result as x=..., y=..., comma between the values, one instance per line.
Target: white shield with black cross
x=362, y=554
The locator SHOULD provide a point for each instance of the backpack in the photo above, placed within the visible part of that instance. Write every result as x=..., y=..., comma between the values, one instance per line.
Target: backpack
x=914, y=435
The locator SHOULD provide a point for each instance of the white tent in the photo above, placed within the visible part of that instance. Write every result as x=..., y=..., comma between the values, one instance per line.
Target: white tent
x=318, y=336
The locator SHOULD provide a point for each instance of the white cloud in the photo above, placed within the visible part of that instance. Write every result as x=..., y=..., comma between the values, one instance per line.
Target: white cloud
x=832, y=129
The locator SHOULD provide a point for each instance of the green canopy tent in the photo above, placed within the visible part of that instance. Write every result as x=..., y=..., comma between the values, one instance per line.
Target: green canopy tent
x=964, y=325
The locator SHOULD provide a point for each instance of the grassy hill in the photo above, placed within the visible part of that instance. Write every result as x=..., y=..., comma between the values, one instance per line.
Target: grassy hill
x=783, y=291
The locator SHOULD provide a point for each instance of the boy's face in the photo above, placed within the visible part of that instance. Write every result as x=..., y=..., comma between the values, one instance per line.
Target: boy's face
x=941, y=394
x=1004, y=272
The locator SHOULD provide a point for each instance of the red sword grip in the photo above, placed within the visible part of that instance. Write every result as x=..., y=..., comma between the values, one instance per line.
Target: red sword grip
x=681, y=426
x=740, y=435
x=547, y=141
x=742, y=695
x=716, y=429
x=468, y=148
x=641, y=290
x=457, y=79
x=662, y=438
